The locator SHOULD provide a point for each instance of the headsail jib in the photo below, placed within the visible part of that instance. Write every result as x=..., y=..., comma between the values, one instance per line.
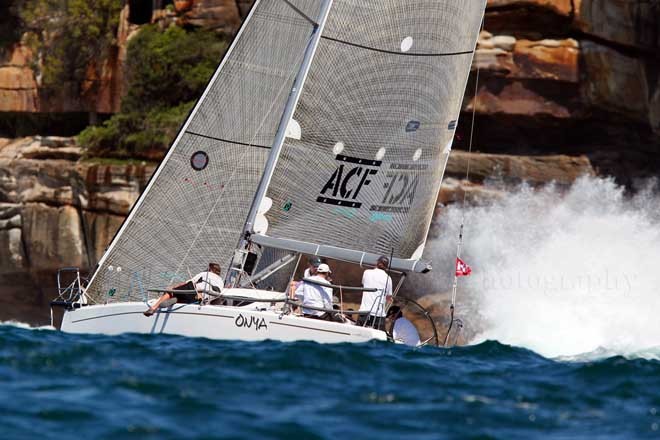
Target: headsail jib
x=194, y=208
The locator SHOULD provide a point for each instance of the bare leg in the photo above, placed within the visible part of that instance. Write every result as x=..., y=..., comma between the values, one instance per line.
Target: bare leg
x=164, y=297
x=292, y=294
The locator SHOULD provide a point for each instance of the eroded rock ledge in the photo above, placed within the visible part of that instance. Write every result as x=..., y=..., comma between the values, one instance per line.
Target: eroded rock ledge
x=55, y=210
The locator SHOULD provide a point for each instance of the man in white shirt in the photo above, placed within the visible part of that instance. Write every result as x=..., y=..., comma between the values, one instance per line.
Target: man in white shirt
x=402, y=330
x=374, y=302
x=314, y=295
x=312, y=265
x=207, y=281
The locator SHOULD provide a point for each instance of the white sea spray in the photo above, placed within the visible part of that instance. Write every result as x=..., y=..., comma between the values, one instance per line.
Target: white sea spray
x=562, y=272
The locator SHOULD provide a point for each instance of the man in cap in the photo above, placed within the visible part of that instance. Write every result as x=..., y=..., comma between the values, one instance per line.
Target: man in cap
x=314, y=294
x=312, y=264
x=374, y=302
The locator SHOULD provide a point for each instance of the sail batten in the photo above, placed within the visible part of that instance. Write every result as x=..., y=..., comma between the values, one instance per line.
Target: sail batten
x=227, y=140
x=393, y=52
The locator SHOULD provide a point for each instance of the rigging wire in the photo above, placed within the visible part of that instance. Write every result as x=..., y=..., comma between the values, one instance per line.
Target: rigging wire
x=459, y=245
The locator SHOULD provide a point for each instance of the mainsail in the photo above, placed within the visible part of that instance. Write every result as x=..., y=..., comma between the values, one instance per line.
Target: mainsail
x=360, y=169
x=360, y=174
x=194, y=209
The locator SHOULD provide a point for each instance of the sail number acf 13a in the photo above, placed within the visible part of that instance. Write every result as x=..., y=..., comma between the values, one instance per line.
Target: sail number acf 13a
x=353, y=175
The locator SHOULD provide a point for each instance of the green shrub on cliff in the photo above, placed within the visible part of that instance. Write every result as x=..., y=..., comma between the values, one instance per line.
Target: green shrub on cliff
x=166, y=71
x=165, y=68
x=134, y=134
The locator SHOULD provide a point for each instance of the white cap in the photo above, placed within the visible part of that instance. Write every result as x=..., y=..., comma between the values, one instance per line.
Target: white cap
x=323, y=268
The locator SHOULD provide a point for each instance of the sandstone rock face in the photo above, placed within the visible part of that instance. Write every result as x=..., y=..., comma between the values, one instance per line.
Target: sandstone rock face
x=55, y=211
x=561, y=7
x=223, y=16
x=20, y=90
x=569, y=77
x=631, y=23
x=12, y=253
x=555, y=60
x=529, y=18
x=617, y=82
x=53, y=235
x=18, y=86
x=536, y=170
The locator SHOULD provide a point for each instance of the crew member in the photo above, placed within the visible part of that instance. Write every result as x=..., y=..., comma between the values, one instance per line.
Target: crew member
x=207, y=281
x=315, y=295
x=402, y=329
x=374, y=302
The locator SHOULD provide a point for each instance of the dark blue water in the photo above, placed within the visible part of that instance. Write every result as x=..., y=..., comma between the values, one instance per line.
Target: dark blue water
x=54, y=385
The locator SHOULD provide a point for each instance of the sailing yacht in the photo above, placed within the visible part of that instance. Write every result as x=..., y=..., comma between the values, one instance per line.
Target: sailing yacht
x=324, y=131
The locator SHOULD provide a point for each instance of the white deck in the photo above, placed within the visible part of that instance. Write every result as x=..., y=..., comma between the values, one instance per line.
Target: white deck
x=214, y=322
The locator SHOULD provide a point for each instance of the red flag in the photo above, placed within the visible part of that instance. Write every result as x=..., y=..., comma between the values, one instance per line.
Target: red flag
x=462, y=269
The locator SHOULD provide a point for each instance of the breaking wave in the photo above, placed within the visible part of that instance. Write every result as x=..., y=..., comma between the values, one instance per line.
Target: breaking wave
x=571, y=273
x=25, y=326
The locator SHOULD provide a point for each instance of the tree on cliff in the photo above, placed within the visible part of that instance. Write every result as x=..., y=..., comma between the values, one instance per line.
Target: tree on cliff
x=73, y=40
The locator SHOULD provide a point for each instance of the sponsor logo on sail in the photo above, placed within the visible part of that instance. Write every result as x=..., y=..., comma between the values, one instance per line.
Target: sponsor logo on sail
x=345, y=187
x=346, y=183
x=399, y=188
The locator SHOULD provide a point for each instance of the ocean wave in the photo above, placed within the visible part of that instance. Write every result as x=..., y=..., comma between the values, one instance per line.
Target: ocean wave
x=26, y=326
x=166, y=386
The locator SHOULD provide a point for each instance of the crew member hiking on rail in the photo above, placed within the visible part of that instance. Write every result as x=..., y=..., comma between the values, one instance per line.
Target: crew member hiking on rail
x=208, y=281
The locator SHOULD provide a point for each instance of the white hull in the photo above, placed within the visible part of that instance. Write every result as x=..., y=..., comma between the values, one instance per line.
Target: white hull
x=214, y=322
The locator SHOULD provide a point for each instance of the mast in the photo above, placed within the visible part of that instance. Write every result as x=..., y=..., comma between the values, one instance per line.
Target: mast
x=291, y=103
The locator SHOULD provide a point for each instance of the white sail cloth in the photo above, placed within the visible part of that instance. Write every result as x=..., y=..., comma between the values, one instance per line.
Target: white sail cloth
x=377, y=116
x=194, y=208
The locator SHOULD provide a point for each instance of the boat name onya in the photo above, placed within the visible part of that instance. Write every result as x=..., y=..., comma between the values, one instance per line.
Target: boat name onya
x=258, y=323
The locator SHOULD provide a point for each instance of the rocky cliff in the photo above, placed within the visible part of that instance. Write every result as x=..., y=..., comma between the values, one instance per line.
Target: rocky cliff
x=55, y=211
x=566, y=87
x=21, y=89
x=584, y=73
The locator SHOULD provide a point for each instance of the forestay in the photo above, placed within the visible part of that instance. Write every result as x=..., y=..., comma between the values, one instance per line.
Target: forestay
x=361, y=170
x=194, y=208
